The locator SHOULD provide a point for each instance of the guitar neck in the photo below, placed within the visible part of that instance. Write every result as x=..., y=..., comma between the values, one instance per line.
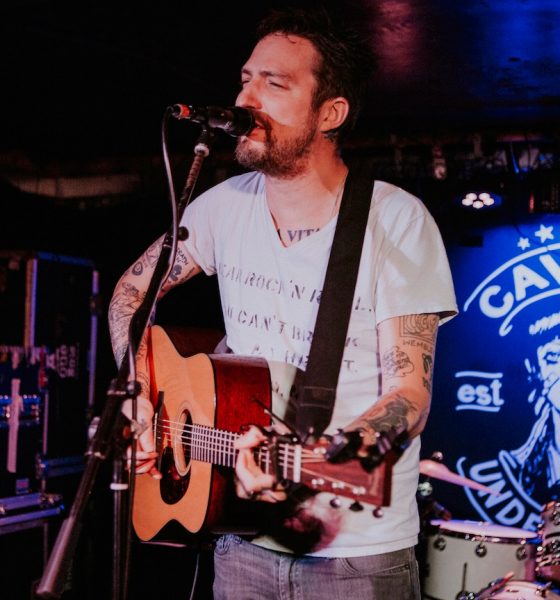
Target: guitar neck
x=216, y=446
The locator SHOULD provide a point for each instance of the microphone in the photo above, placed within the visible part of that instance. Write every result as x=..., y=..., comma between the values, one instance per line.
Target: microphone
x=234, y=120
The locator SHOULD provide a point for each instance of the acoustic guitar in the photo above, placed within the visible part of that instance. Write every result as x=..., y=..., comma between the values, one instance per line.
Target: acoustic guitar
x=202, y=402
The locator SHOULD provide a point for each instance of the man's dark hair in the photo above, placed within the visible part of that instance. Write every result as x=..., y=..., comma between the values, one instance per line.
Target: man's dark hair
x=346, y=59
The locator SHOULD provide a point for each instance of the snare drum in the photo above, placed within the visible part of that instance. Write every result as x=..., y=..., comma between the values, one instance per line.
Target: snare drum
x=522, y=590
x=548, y=553
x=464, y=556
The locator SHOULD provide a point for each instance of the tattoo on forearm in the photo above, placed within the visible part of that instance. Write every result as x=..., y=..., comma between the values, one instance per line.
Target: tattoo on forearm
x=123, y=305
x=396, y=363
x=394, y=414
x=144, y=382
x=147, y=260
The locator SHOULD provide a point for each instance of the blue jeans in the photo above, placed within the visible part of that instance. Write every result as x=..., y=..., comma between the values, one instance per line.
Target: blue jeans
x=243, y=571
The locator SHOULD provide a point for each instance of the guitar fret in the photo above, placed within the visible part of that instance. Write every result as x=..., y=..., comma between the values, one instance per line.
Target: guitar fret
x=195, y=446
x=296, y=474
x=224, y=448
x=219, y=459
x=213, y=445
x=233, y=452
x=207, y=446
x=203, y=448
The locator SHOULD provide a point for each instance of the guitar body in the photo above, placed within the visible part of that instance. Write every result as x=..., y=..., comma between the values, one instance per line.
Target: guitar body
x=201, y=404
x=185, y=392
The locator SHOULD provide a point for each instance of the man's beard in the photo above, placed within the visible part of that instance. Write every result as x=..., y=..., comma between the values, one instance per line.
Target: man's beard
x=283, y=159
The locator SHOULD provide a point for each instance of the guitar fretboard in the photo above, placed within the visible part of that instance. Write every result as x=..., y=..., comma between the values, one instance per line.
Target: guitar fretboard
x=216, y=446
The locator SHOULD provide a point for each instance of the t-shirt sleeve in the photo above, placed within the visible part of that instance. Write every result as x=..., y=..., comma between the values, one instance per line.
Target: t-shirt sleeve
x=201, y=232
x=208, y=217
x=415, y=276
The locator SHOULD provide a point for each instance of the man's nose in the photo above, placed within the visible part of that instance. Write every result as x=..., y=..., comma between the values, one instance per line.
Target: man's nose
x=249, y=97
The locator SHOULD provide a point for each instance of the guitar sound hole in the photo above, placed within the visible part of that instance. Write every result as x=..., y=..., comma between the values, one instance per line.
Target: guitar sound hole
x=175, y=464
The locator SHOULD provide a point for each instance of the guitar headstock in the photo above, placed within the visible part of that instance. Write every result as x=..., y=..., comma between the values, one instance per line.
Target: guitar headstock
x=359, y=478
x=347, y=480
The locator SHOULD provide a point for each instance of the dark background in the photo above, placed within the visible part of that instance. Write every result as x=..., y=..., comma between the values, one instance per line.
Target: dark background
x=85, y=87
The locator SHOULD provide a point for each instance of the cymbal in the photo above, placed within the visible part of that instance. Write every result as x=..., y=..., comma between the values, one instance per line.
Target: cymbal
x=437, y=470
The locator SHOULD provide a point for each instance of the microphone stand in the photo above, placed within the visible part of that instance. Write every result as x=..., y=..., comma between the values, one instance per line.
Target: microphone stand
x=114, y=431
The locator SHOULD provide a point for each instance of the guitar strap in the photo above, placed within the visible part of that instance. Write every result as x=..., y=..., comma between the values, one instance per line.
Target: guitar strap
x=314, y=389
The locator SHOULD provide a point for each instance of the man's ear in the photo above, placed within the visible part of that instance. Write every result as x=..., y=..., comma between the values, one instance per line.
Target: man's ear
x=334, y=112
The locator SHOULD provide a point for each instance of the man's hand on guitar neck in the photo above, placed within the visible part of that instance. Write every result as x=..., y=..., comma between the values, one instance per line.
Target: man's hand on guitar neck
x=145, y=450
x=251, y=483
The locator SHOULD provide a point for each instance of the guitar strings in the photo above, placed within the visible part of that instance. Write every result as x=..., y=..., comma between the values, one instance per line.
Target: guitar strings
x=211, y=442
x=210, y=434
x=217, y=439
x=215, y=442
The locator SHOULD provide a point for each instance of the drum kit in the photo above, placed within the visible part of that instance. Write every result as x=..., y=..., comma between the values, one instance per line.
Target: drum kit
x=470, y=560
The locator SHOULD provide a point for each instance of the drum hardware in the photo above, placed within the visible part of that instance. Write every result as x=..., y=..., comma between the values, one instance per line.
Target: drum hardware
x=464, y=556
x=517, y=590
x=438, y=470
x=440, y=544
x=548, y=552
x=481, y=550
x=492, y=587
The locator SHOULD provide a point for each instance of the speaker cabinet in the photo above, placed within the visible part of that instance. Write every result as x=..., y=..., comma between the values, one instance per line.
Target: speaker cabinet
x=48, y=337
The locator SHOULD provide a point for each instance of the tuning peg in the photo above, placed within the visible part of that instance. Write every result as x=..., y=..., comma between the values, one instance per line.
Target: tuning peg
x=356, y=506
x=377, y=512
x=335, y=502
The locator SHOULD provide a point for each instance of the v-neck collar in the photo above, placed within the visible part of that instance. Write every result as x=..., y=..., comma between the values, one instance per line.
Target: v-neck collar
x=309, y=241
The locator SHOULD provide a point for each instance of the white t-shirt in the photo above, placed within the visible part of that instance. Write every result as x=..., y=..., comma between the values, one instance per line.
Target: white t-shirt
x=270, y=296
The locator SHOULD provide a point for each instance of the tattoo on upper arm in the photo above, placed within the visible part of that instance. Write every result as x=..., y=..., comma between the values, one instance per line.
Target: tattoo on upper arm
x=396, y=363
x=181, y=257
x=395, y=414
x=177, y=273
x=418, y=326
x=418, y=330
x=428, y=363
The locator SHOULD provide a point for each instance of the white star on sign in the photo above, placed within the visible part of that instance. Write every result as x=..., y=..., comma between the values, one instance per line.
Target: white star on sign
x=544, y=233
x=523, y=243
